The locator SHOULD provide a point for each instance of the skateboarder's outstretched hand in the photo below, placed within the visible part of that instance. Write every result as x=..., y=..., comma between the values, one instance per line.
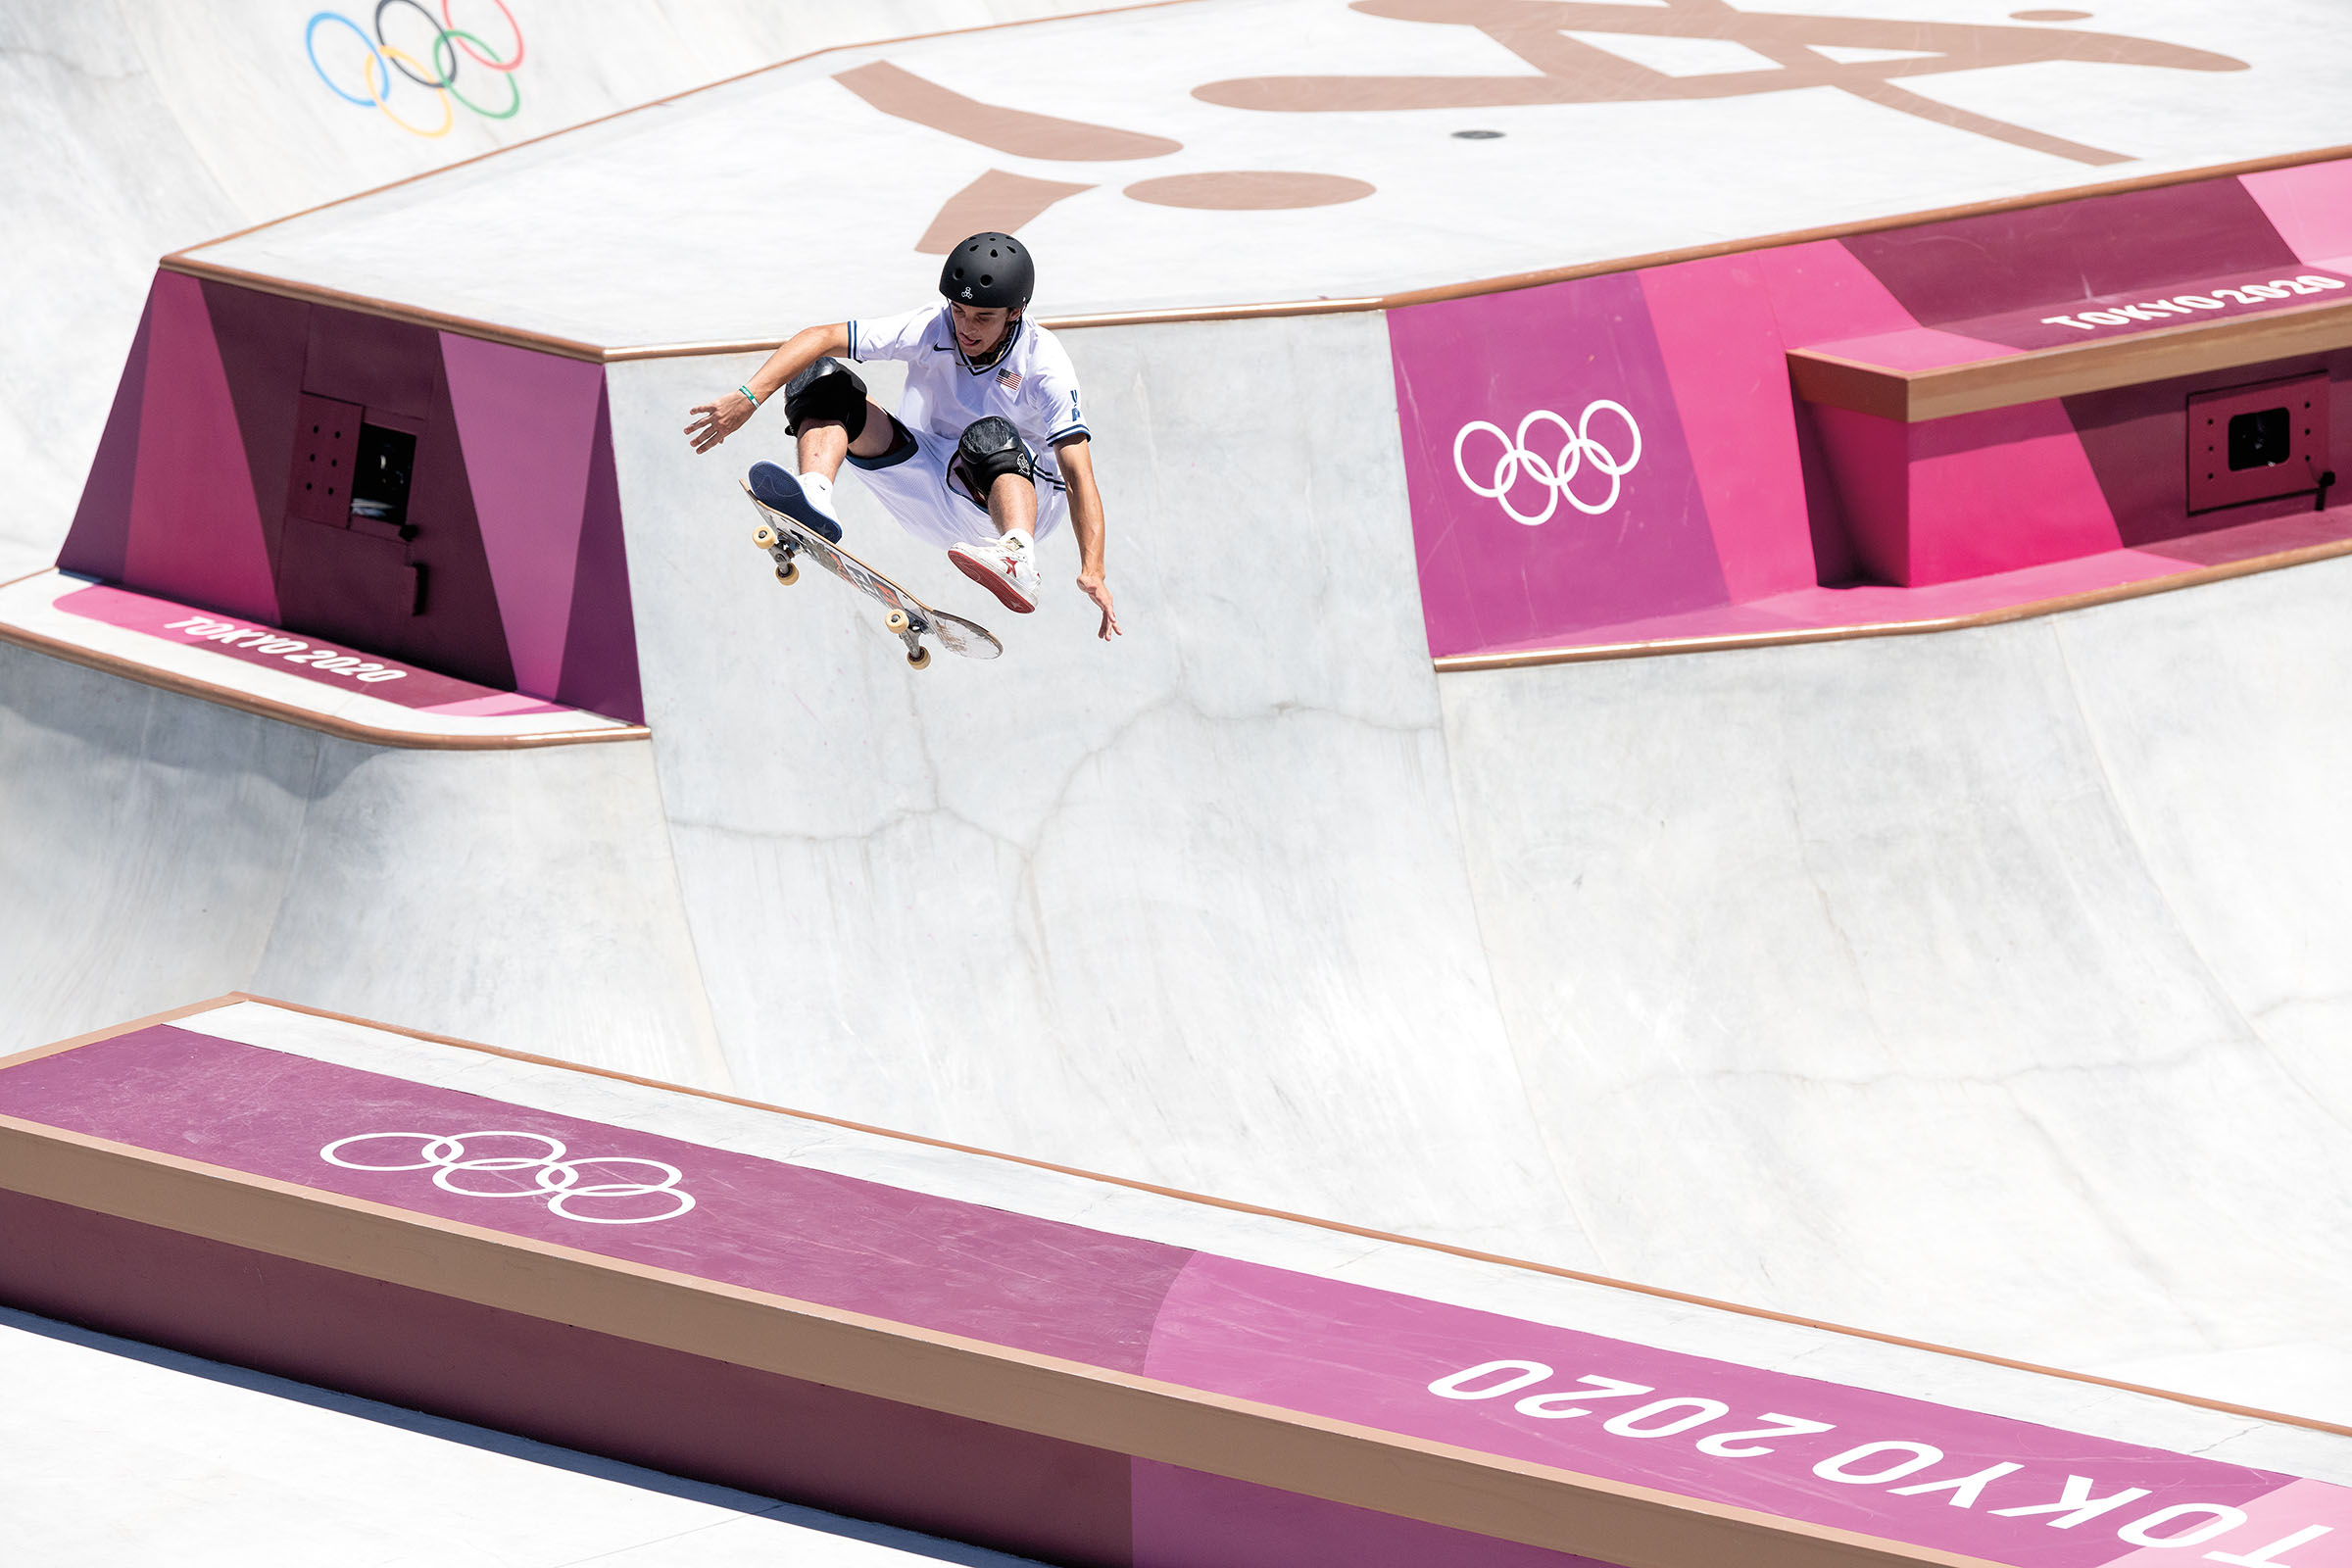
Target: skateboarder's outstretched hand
x=1091, y=584
x=720, y=418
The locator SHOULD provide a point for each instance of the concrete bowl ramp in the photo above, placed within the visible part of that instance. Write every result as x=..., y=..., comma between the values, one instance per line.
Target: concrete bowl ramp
x=1981, y=988
x=1971, y=987
x=1188, y=904
x=157, y=842
x=134, y=130
x=2033, y=924
x=1633, y=966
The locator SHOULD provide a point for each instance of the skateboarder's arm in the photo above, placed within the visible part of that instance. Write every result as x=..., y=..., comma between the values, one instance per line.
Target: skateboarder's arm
x=1076, y=460
x=726, y=413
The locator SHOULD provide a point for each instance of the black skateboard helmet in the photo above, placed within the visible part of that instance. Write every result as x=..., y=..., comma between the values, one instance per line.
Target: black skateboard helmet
x=990, y=271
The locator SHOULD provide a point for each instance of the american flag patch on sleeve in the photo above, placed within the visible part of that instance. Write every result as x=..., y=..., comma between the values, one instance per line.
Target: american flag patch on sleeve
x=1009, y=380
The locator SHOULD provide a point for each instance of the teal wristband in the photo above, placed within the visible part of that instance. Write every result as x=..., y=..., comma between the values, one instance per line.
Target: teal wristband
x=748, y=393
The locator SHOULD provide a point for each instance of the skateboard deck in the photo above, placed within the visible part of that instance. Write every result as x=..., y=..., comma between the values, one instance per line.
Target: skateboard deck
x=909, y=620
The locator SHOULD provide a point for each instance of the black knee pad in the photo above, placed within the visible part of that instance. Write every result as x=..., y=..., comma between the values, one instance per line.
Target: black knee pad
x=826, y=390
x=988, y=450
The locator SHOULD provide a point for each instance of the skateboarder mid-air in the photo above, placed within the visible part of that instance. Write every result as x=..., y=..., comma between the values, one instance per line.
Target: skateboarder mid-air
x=988, y=451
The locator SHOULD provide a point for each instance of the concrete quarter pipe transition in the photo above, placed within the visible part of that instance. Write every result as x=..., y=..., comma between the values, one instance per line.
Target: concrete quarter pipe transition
x=1609, y=889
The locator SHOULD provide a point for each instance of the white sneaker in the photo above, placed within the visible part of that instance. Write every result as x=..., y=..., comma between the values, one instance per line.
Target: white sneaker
x=1002, y=567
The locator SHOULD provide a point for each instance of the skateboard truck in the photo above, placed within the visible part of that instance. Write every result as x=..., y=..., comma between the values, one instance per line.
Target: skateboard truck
x=907, y=629
x=782, y=549
x=910, y=632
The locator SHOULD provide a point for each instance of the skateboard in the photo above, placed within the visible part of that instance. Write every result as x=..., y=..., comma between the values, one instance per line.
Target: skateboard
x=909, y=620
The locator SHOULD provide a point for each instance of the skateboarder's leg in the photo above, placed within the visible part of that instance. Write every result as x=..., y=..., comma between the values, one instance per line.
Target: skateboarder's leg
x=994, y=466
x=825, y=443
x=827, y=412
x=830, y=418
x=1012, y=504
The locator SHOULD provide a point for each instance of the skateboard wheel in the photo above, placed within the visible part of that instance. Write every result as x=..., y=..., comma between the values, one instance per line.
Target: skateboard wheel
x=919, y=659
x=765, y=537
x=896, y=620
x=788, y=574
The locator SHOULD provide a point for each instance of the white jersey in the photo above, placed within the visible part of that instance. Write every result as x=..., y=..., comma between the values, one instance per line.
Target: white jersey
x=1031, y=383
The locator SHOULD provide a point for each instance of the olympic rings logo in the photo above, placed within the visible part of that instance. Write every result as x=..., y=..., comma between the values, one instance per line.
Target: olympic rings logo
x=451, y=46
x=1556, y=473
x=553, y=1177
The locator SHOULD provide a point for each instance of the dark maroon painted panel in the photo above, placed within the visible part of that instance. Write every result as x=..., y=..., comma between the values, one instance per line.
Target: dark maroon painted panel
x=1190, y=1519
x=367, y=582
x=600, y=646
x=263, y=346
x=2136, y=438
x=460, y=631
x=1978, y=267
x=99, y=539
x=666, y=1409
x=318, y=481
x=2291, y=459
x=373, y=362
x=432, y=602
x=1835, y=562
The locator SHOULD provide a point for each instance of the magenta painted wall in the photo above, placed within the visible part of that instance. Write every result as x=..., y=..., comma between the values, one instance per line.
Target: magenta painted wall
x=527, y=424
x=2001, y=489
x=1739, y=494
x=515, y=576
x=1508, y=391
x=1723, y=356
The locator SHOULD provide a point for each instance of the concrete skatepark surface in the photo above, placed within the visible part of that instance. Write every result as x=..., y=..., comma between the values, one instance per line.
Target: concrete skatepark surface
x=1981, y=987
x=1120, y=139
x=136, y=129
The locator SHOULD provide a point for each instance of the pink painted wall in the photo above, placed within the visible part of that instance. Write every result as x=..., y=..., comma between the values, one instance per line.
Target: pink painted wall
x=1575, y=371
x=194, y=521
x=1727, y=361
x=1947, y=499
x=1883, y=1465
x=1738, y=494
x=2001, y=489
x=527, y=424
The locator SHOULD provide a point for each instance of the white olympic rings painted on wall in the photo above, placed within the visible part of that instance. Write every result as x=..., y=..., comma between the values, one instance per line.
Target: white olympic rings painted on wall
x=1554, y=476
x=555, y=1178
